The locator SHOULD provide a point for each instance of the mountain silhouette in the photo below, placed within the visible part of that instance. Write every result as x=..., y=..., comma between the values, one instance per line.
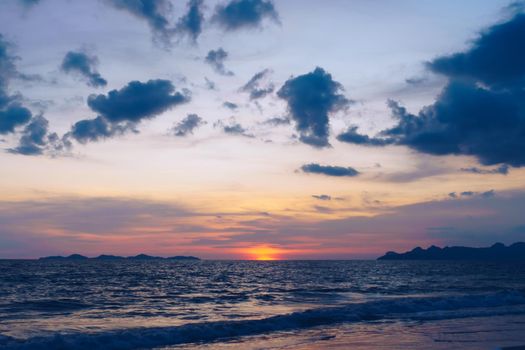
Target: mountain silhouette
x=497, y=252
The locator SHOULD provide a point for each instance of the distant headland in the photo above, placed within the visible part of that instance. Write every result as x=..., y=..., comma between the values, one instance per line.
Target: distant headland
x=497, y=252
x=77, y=257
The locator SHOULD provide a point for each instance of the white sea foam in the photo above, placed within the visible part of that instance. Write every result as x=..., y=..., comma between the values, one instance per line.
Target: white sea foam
x=501, y=303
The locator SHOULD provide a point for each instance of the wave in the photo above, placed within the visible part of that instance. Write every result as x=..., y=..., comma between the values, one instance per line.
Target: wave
x=420, y=308
x=44, y=305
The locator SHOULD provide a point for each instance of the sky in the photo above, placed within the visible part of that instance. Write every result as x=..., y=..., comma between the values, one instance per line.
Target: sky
x=260, y=129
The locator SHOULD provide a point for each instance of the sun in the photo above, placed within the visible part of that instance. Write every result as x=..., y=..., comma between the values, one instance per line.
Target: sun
x=264, y=253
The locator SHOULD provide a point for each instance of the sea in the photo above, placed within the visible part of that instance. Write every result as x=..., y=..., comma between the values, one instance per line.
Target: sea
x=161, y=304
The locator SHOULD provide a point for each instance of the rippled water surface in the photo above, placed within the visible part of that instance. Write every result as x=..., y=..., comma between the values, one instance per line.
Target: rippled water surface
x=145, y=304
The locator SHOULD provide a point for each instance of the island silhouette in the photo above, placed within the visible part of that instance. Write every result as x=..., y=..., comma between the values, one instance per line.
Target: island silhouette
x=496, y=252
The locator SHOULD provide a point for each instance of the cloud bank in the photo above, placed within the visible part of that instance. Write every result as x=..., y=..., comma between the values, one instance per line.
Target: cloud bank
x=480, y=112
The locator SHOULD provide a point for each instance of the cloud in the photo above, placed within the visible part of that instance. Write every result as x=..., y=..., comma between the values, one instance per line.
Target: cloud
x=311, y=98
x=216, y=58
x=465, y=120
x=322, y=197
x=255, y=88
x=486, y=194
x=230, y=105
x=190, y=24
x=157, y=14
x=233, y=128
x=91, y=225
x=503, y=170
x=137, y=101
x=7, y=69
x=187, y=125
x=153, y=12
x=121, y=110
x=81, y=63
x=496, y=58
x=352, y=136
x=480, y=112
x=33, y=138
x=36, y=140
x=416, y=81
x=13, y=116
x=89, y=130
x=338, y=171
x=12, y=113
x=277, y=121
x=240, y=14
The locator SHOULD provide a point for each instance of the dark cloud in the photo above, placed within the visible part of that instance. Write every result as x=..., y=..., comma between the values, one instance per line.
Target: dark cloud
x=190, y=24
x=7, y=71
x=121, y=110
x=59, y=145
x=469, y=120
x=34, y=137
x=465, y=120
x=496, y=58
x=187, y=125
x=36, y=140
x=488, y=194
x=85, y=65
x=469, y=194
x=255, y=88
x=480, y=112
x=416, y=81
x=137, y=101
x=12, y=116
x=277, y=121
x=233, y=128
x=503, y=170
x=314, y=168
x=89, y=130
x=153, y=12
x=311, y=98
x=322, y=197
x=157, y=13
x=12, y=113
x=216, y=58
x=237, y=129
x=230, y=105
x=238, y=14
x=352, y=136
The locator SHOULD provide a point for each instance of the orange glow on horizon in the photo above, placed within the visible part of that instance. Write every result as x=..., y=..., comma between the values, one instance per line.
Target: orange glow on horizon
x=264, y=252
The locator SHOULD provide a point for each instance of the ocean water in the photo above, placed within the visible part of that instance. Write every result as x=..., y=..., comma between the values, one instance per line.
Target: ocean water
x=261, y=305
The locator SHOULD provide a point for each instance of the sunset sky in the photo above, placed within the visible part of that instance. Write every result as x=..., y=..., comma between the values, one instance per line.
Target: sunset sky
x=243, y=129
